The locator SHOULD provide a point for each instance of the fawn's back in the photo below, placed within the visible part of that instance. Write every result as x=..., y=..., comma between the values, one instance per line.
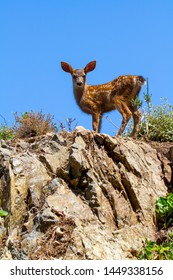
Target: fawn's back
x=105, y=97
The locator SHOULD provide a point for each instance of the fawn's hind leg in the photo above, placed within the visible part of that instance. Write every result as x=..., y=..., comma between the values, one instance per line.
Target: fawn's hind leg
x=136, y=118
x=126, y=115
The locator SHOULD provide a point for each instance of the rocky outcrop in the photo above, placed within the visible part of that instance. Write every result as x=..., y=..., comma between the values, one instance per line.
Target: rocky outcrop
x=79, y=195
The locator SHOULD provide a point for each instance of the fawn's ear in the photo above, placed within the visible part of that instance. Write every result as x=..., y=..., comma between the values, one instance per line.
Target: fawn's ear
x=66, y=67
x=90, y=66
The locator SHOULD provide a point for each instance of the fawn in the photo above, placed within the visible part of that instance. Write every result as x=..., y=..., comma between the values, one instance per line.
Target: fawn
x=118, y=94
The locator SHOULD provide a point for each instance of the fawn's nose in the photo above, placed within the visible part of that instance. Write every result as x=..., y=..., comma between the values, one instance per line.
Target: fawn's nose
x=79, y=83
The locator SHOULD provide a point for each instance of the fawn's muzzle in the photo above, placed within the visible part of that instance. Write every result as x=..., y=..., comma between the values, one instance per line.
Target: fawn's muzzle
x=79, y=83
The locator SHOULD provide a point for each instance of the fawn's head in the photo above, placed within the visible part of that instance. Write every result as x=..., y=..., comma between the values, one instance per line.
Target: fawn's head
x=78, y=75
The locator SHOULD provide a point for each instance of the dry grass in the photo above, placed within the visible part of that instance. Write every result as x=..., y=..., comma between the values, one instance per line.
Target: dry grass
x=55, y=241
x=34, y=124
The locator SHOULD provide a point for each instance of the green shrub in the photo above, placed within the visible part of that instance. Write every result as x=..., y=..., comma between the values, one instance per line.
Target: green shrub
x=164, y=216
x=157, y=123
x=154, y=251
x=164, y=211
x=6, y=133
x=156, y=120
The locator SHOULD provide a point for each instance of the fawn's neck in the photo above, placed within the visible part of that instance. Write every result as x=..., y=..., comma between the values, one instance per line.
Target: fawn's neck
x=78, y=92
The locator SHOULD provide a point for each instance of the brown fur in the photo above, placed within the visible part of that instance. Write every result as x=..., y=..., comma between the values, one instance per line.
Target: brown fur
x=97, y=99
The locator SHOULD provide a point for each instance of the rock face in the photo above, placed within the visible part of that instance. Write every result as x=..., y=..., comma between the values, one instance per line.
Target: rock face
x=79, y=195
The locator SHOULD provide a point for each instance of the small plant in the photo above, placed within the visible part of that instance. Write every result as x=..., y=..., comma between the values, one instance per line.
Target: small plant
x=69, y=124
x=137, y=102
x=34, y=124
x=154, y=251
x=3, y=213
x=6, y=133
x=161, y=250
x=164, y=211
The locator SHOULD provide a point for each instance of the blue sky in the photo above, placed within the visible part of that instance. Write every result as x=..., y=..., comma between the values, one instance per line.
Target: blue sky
x=124, y=37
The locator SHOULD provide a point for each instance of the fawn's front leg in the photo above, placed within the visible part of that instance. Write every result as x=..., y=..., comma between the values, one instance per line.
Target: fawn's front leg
x=96, y=121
